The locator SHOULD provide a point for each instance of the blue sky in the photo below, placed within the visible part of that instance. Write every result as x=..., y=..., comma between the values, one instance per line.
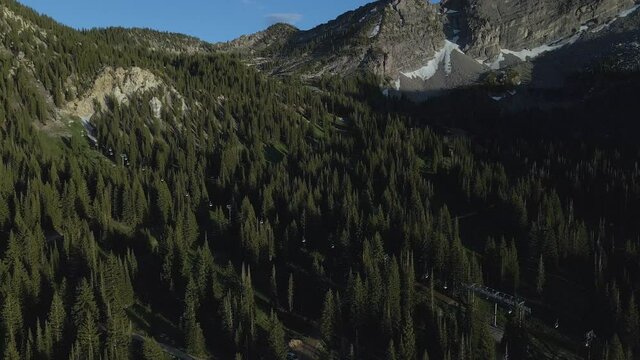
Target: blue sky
x=211, y=20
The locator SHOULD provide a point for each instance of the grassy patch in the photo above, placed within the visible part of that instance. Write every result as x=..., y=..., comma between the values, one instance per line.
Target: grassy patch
x=152, y=324
x=275, y=152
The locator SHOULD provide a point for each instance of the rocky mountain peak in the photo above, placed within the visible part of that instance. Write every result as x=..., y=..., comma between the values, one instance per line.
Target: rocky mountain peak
x=488, y=26
x=384, y=37
x=419, y=47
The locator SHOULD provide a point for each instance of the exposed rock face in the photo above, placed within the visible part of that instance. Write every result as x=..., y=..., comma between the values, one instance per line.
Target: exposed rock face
x=423, y=48
x=410, y=33
x=268, y=41
x=385, y=37
x=492, y=25
x=121, y=84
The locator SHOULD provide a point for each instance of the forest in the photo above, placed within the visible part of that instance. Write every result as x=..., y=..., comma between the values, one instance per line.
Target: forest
x=270, y=209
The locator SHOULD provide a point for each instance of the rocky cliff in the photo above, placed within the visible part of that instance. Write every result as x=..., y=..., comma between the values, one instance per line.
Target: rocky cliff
x=488, y=26
x=385, y=37
x=419, y=47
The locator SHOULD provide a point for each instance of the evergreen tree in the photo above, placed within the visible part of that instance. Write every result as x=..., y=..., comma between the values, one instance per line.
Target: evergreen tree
x=10, y=350
x=328, y=320
x=57, y=316
x=274, y=287
x=391, y=351
x=541, y=277
x=276, y=342
x=151, y=350
x=290, y=293
x=195, y=340
x=407, y=339
x=616, y=351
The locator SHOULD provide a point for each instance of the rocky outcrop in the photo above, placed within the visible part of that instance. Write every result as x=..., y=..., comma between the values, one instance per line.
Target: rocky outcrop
x=264, y=42
x=385, y=37
x=492, y=25
x=410, y=33
x=419, y=47
x=121, y=84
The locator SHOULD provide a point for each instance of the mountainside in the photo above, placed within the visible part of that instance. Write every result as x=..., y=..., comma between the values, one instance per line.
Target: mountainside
x=163, y=199
x=488, y=26
x=384, y=37
x=420, y=49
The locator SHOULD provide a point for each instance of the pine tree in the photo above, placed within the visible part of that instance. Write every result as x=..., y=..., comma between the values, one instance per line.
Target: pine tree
x=12, y=320
x=328, y=320
x=425, y=355
x=391, y=351
x=57, y=316
x=631, y=322
x=118, y=340
x=151, y=350
x=85, y=304
x=290, y=293
x=394, y=295
x=408, y=339
x=274, y=287
x=276, y=341
x=484, y=345
x=616, y=351
x=10, y=350
x=88, y=337
x=541, y=278
x=85, y=312
x=195, y=340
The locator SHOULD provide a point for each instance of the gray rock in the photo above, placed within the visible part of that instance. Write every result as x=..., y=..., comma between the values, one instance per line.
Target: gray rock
x=492, y=25
x=385, y=37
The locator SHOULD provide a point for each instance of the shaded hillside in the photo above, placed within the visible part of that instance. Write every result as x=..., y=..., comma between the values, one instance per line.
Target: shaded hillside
x=156, y=199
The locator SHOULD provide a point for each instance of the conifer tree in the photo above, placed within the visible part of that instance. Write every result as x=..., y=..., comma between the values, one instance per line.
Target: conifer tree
x=407, y=339
x=151, y=350
x=195, y=340
x=274, y=287
x=276, y=341
x=328, y=320
x=290, y=291
x=391, y=351
x=10, y=350
x=57, y=317
x=616, y=351
x=541, y=276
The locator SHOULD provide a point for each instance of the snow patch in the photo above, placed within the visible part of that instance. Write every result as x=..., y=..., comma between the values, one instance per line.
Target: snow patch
x=628, y=12
x=375, y=31
x=156, y=107
x=496, y=64
x=443, y=56
x=90, y=129
x=622, y=14
x=537, y=51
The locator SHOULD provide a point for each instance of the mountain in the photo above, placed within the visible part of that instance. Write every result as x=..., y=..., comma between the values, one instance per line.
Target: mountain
x=384, y=37
x=162, y=198
x=420, y=49
x=489, y=27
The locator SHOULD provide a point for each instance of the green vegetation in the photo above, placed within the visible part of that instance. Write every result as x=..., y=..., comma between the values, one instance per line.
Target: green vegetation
x=336, y=214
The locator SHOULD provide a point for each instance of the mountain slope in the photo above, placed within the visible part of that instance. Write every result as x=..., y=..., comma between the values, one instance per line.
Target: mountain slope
x=384, y=37
x=420, y=49
x=230, y=214
x=490, y=26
